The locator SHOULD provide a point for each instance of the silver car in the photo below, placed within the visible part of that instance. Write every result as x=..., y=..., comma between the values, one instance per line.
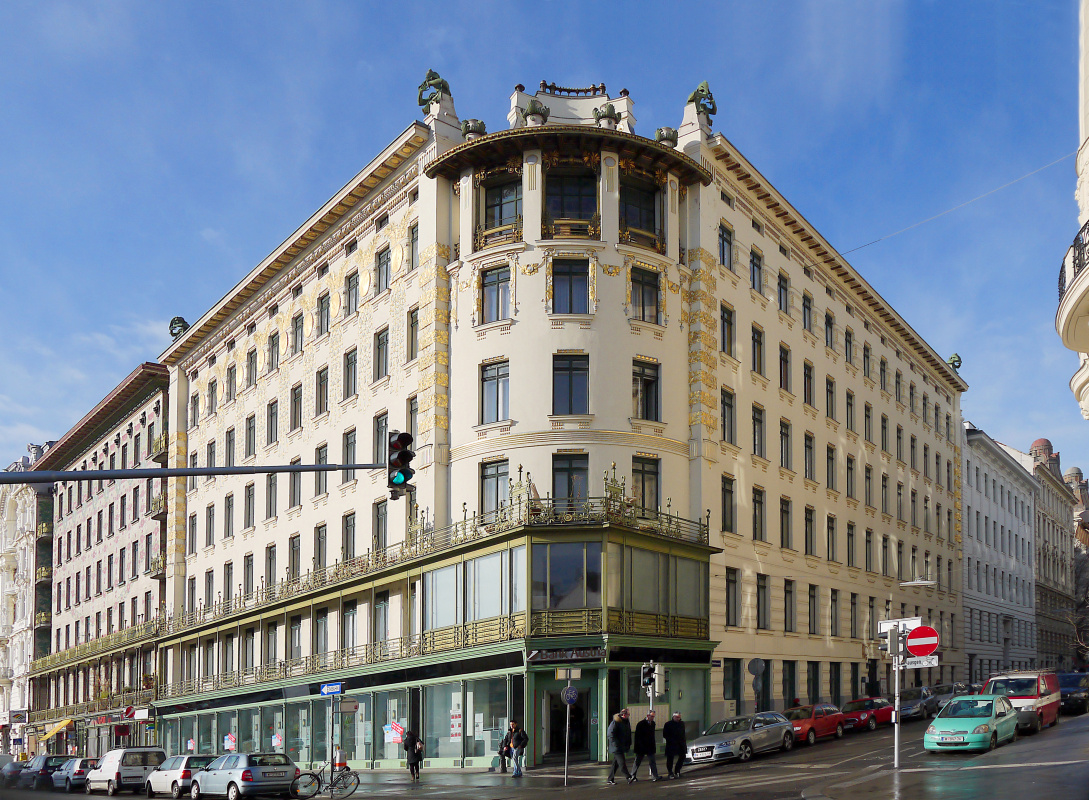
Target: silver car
x=740, y=737
x=245, y=775
x=73, y=774
x=175, y=775
x=947, y=691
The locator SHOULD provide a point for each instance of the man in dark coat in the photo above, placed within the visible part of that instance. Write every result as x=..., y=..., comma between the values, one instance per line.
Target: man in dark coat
x=645, y=746
x=676, y=745
x=513, y=746
x=619, y=740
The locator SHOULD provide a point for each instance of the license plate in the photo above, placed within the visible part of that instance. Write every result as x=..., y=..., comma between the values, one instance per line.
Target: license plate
x=274, y=774
x=952, y=739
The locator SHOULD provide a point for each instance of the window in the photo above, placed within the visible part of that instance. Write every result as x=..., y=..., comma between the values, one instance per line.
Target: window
x=644, y=390
x=810, y=457
x=272, y=416
x=899, y=443
x=784, y=367
x=867, y=422
x=784, y=444
x=810, y=531
x=349, y=455
x=645, y=482
x=830, y=398
x=809, y=389
x=249, y=511
x=380, y=534
x=570, y=384
x=897, y=383
x=228, y=456
x=251, y=435
x=759, y=526
x=869, y=551
x=726, y=247
x=413, y=247
x=321, y=392
x=786, y=535
x=757, y=351
x=849, y=347
x=251, y=368
x=295, y=410
x=758, y=431
x=381, y=437
x=273, y=351
x=347, y=537
x=270, y=496
x=502, y=204
x=571, y=196
x=726, y=329
x=381, y=354
x=495, y=285
x=833, y=613
x=756, y=271
x=733, y=598
x=885, y=434
x=381, y=271
x=644, y=295
x=213, y=392
x=851, y=561
x=638, y=207
x=194, y=410
x=351, y=294
x=911, y=398
x=814, y=610
x=729, y=505
x=351, y=375
x=884, y=494
x=494, y=486
x=494, y=392
x=763, y=602
x=228, y=517
x=830, y=331
x=320, y=546
x=570, y=475
x=321, y=479
x=413, y=343
x=297, y=333
x=866, y=360
x=790, y=620
x=784, y=293
x=413, y=416
x=912, y=452
x=570, y=286
x=807, y=312
x=210, y=526
x=883, y=379
x=854, y=616
x=830, y=468
x=885, y=555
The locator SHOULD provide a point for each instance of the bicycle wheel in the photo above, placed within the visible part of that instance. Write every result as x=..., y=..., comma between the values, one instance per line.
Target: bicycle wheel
x=344, y=784
x=306, y=785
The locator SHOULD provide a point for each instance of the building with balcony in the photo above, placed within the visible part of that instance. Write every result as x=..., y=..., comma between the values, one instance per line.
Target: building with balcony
x=1053, y=556
x=487, y=293
x=999, y=584
x=101, y=599
x=25, y=531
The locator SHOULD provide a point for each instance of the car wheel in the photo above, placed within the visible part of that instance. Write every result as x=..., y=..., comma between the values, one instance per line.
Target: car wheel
x=194, y=791
x=788, y=742
x=68, y=785
x=175, y=790
x=871, y=724
x=839, y=731
x=148, y=791
x=811, y=737
x=744, y=751
x=232, y=792
x=87, y=787
x=994, y=742
x=1038, y=725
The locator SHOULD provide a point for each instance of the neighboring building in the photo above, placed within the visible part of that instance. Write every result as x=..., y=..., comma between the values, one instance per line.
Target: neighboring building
x=1079, y=487
x=1053, y=559
x=25, y=531
x=106, y=580
x=489, y=296
x=998, y=579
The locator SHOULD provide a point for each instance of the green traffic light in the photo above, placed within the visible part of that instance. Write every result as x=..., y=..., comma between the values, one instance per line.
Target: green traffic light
x=398, y=478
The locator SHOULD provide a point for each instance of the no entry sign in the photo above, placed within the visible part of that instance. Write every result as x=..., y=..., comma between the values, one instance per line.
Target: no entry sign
x=922, y=641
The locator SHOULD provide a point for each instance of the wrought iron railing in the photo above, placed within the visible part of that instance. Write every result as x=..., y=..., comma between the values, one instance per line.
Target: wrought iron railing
x=1078, y=262
x=136, y=634
x=567, y=228
x=43, y=573
x=159, y=446
x=108, y=703
x=637, y=236
x=157, y=566
x=45, y=530
x=42, y=618
x=501, y=234
x=158, y=505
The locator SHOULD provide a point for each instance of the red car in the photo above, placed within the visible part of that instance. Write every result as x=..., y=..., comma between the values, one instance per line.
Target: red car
x=815, y=721
x=866, y=713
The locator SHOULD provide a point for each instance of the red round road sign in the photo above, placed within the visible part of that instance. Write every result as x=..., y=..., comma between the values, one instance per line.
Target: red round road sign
x=922, y=641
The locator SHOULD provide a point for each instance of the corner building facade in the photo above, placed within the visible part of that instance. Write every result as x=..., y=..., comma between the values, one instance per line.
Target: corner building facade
x=488, y=293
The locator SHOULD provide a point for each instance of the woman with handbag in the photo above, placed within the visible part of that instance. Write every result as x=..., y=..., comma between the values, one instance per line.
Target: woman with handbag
x=413, y=753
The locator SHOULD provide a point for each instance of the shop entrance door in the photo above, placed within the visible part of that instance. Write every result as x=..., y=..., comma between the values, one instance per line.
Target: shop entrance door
x=555, y=712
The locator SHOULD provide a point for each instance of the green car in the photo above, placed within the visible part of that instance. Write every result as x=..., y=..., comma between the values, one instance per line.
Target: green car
x=972, y=722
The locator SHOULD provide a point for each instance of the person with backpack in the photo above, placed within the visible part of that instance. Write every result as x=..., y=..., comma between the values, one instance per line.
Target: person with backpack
x=619, y=739
x=413, y=745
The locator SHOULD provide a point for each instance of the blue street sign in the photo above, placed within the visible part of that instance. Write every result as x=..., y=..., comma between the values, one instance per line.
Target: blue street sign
x=331, y=688
x=570, y=695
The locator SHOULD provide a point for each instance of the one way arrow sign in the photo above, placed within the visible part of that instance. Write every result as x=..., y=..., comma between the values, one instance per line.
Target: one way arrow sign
x=331, y=688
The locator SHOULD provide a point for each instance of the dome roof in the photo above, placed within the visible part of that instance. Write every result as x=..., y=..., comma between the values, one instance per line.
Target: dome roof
x=1041, y=444
x=1073, y=474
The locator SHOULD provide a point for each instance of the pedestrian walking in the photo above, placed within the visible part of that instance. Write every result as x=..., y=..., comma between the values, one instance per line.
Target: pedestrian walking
x=619, y=740
x=645, y=746
x=676, y=745
x=519, y=740
x=414, y=753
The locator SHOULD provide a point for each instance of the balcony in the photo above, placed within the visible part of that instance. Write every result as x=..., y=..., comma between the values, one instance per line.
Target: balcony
x=43, y=574
x=45, y=530
x=135, y=635
x=43, y=619
x=159, y=447
x=503, y=234
x=584, y=621
x=571, y=228
x=652, y=240
x=158, y=507
x=109, y=702
x=157, y=568
x=1072, y=316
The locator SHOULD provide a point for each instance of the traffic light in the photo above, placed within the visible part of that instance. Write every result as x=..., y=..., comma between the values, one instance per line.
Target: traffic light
x=399, y=455
x=660, y=684
x=894, y=643
x=647, y=674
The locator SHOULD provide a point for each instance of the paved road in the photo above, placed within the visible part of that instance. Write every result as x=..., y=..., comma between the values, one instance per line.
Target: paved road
x=1053, y=763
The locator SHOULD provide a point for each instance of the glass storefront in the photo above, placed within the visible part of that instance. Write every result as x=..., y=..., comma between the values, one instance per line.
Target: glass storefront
x=486, y=716
x=356, y=732
x=390, y=707
x=443, y=720
x=249, y=724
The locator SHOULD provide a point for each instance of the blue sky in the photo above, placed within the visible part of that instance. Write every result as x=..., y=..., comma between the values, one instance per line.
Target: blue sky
x=152, y=153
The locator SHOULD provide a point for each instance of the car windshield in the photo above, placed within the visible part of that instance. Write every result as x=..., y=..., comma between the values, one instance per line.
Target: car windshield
x=802, y=712
x=143, y=758
x=966, y=707
x=56, y=761
x=270, y=760
x=200, y=761
x=854, y=705
x=1012, y=687
x=910, y=694
x=1074, y=680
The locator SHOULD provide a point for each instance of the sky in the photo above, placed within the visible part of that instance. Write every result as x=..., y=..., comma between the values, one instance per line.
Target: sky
x=151, y=154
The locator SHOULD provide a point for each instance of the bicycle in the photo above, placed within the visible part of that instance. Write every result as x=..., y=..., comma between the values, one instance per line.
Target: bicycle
x=340, y=785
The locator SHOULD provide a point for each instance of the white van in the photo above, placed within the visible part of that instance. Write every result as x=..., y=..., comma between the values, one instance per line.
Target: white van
x=126, y=768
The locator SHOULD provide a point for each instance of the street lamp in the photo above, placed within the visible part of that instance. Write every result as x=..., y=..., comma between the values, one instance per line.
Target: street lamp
x=896, y=652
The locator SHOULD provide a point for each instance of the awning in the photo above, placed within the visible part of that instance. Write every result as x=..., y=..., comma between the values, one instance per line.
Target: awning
x=56, y=729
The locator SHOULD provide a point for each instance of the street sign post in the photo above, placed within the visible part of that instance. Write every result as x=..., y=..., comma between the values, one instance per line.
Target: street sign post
x=904, y=624
x=329, y=689
x=349, y=706
x=918, y=662
x=922, y=641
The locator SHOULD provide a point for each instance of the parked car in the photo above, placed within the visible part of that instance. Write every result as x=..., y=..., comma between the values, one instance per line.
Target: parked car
x=975, y=688
x=126, y=768
x=740, y=737
x=816, y=721
x=917, y=702
x=1033, y=693
x=9, y=774
x=73, y=774
x=866, y=713
x=1074, y=692
x=244, y=775
x=39, y=772
x=175, y=775
x=972, y=722
x=947, y=691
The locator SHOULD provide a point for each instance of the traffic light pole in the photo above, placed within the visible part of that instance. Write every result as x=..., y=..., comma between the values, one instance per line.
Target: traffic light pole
x=58, y=476
x=897, y=660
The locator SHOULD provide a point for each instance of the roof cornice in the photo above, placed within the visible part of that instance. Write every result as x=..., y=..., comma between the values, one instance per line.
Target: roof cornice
x=822, y=253
x=407, y=144
x=977, y=436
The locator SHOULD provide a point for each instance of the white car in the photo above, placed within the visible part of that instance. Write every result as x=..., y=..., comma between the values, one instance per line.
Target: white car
x=126, y=768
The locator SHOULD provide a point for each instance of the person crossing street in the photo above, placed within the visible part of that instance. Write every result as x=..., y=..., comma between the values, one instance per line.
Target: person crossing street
x=676, y=745
x=645, y=746
x=619, y=741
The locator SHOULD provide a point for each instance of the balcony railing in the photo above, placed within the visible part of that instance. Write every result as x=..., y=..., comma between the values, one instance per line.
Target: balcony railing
x=571, y=228
x=43, y=574
x=501, y=234
x=159, y=446
x=581, y=621
x=109, y=703
x=1080, y=244
x=42, y=618
x=637, y=236
x=487, y=631
x=157, y=567
x=523, y=511
x=45, y=530
x=136, y=634
x=158, y=506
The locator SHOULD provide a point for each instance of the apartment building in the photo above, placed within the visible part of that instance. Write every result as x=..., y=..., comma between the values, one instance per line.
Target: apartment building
x=93, y=691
